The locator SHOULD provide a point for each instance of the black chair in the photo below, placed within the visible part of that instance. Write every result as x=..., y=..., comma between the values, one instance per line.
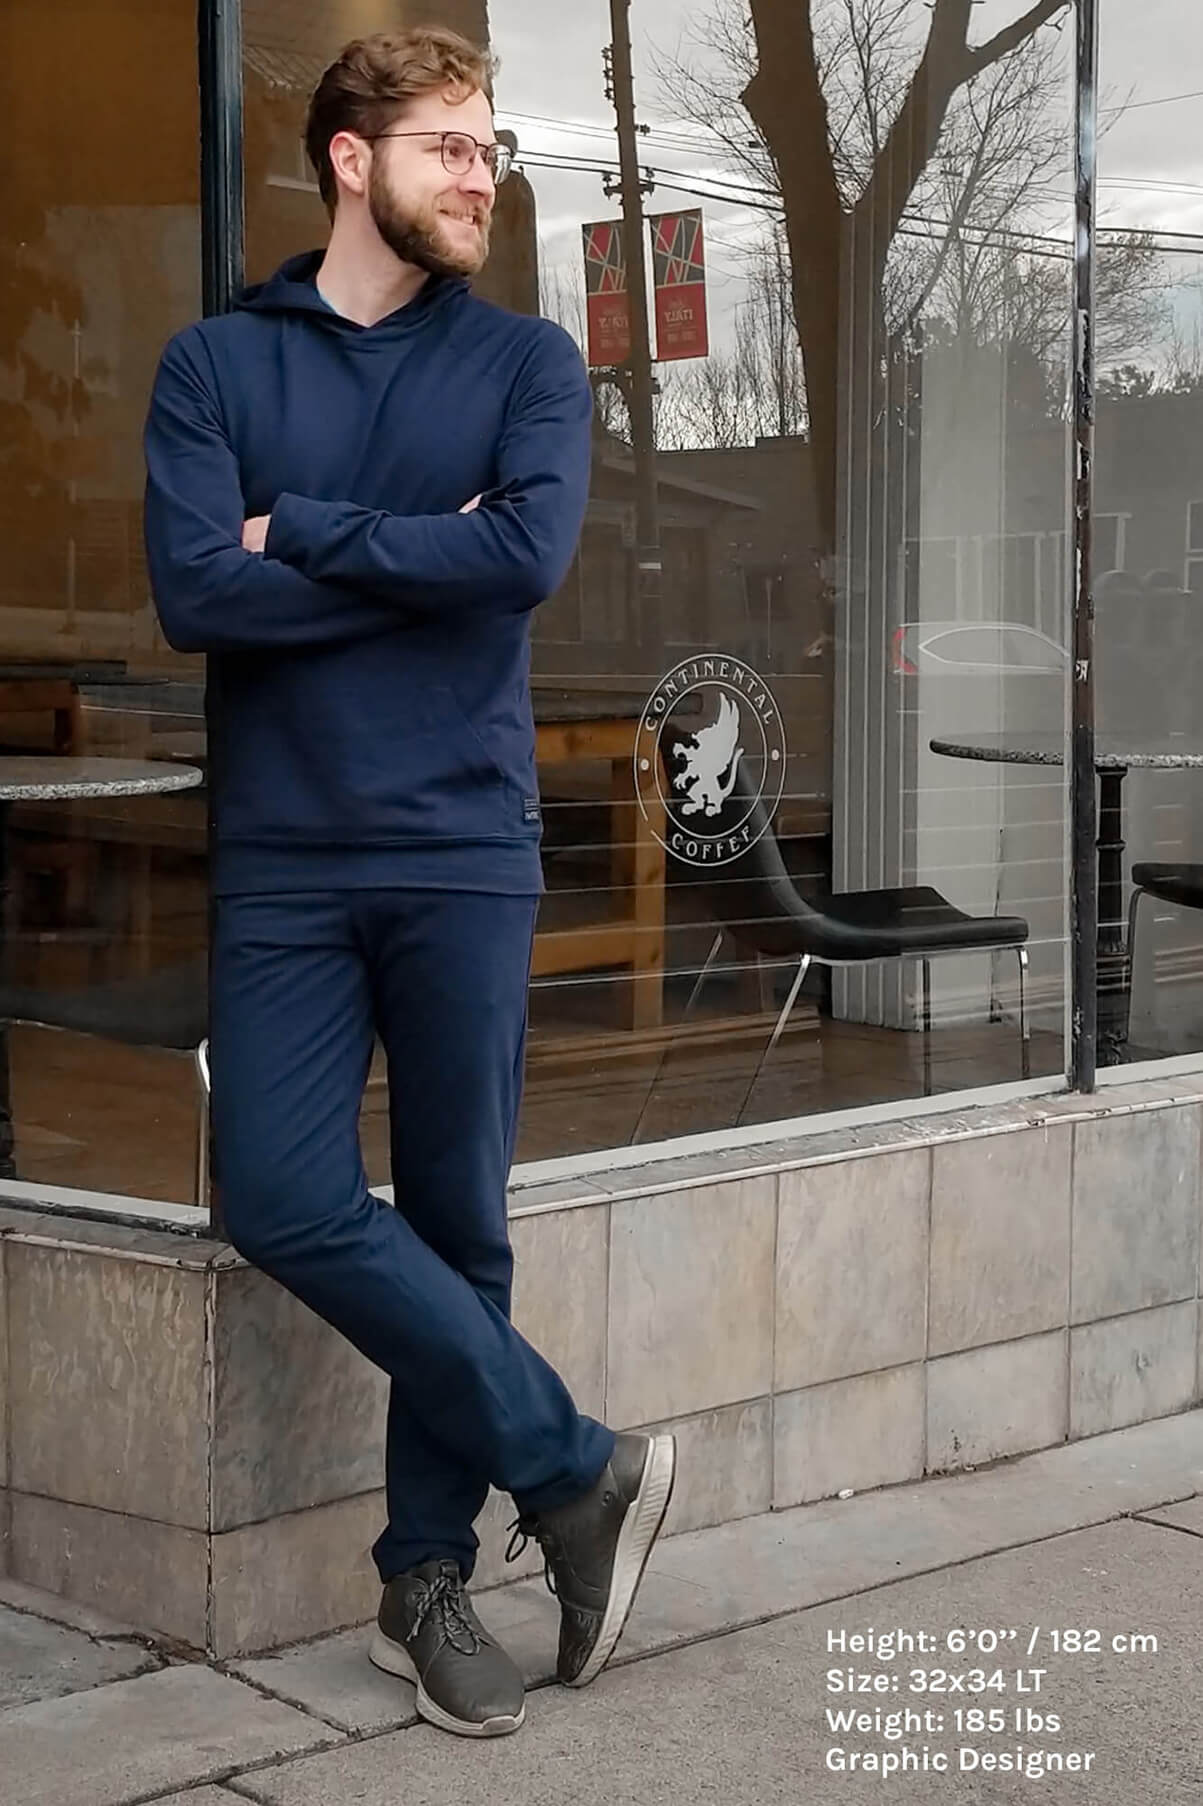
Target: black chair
x=167, y=1008
x=1179, y=884
x=756, y=903
x=1147, y=671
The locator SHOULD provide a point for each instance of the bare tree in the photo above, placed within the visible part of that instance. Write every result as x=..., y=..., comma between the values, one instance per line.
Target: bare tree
x=767, y=335
x=562, y=299
x=756, y=388
x=1184, y=372
x=562, y=295
x=991, y=294
x=710, y=402
x=1002, y=151
x=847, y=113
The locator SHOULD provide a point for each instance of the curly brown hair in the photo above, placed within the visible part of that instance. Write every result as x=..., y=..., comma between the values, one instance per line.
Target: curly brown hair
x=374, y=79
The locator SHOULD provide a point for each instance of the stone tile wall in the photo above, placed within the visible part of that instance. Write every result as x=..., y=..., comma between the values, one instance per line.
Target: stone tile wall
x=190, y=1450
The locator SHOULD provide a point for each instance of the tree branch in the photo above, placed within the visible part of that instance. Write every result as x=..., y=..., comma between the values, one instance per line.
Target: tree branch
x=948, y=62
x=917, y=125
x=1012, y=36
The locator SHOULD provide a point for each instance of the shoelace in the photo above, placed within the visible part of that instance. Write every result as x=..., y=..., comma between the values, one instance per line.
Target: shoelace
x=446, y=1597
x=524, y=1531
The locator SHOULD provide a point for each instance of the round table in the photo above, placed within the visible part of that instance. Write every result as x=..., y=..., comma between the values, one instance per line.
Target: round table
x=1114, y=757
x=45, y=778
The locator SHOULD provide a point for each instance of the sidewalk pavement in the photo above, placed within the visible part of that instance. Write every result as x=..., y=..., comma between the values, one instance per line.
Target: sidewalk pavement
x=722, y=1688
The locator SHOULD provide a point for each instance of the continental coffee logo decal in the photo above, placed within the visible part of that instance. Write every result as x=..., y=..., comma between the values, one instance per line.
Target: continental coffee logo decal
x=710, y=759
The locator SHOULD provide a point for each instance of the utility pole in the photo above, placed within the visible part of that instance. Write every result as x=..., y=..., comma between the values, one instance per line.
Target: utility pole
x=638, y=387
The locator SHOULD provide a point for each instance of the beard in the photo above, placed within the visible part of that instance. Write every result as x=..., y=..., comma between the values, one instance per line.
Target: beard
x=417, y=236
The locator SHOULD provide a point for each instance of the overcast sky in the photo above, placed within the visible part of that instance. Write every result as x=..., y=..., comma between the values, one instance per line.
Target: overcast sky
x=1151, y=158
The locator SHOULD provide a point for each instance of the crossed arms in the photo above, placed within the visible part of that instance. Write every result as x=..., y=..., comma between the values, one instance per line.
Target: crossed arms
x=332, y=571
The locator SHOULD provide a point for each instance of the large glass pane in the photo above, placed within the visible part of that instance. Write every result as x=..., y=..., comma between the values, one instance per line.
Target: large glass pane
x=104, y=920
x=855, y=473
x=869, y=464
x=1150, y=486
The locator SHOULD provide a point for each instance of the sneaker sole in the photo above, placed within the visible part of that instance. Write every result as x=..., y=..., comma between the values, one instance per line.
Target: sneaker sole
x=392, y=1658
x=640, y=1528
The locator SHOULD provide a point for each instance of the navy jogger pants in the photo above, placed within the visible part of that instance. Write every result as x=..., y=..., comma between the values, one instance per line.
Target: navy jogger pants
x=303, y=985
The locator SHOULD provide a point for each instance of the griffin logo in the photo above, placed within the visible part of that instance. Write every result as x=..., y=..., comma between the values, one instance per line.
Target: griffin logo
x=709, y=760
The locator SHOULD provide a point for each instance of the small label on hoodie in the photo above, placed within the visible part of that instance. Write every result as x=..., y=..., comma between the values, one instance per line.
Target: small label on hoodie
x=530, y=809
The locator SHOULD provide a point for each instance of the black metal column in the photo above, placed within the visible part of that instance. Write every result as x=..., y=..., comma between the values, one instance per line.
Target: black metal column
x=219, y=28
x=219, y=31
x=1084, y=897
x=8, y=1165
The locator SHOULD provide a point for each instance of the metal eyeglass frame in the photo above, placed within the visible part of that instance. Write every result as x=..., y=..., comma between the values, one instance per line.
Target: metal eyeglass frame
x=498, y=157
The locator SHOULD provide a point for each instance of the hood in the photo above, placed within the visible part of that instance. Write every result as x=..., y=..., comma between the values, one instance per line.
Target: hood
x=293, y=290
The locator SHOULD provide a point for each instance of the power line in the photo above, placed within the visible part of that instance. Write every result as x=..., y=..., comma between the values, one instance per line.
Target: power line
x=1156, y=185
x=685, y=141
x=666, y=136
x=750, y=197
x=913, y=225
x=731, y=192
x=676, y=181
x=1163, y=100
x=679, y=140
x=579, y=128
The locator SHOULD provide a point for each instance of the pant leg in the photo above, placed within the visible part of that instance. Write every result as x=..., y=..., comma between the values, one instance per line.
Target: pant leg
x=451, y=973
x=292, y=1033
x=293, y=1025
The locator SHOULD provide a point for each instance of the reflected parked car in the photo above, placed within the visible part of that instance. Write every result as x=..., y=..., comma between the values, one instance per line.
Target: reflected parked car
x=975, y=649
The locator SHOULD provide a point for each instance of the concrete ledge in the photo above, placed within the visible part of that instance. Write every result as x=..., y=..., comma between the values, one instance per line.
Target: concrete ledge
x=190, y=1451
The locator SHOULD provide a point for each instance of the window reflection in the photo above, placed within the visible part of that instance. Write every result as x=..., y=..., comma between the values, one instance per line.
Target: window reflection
x=859, y=492
x=874, y=447
x=104, y=916
x=870, y=443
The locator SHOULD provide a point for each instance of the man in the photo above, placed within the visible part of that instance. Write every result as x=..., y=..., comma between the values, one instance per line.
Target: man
x=360, y=484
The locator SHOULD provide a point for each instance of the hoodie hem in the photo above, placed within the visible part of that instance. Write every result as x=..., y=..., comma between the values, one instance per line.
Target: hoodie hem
x=499, y=867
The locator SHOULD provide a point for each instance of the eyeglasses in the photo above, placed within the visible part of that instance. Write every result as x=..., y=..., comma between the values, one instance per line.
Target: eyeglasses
x=460, y=151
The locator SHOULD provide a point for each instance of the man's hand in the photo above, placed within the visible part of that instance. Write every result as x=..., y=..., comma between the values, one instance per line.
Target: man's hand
x=254, y=533
x=469, y=506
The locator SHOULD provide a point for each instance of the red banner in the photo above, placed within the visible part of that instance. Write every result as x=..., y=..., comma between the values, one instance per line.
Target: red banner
x=606, y=297
x=679, y=262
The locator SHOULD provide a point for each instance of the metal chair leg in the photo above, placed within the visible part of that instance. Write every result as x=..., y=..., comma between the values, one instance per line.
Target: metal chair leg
x=764, y=980
x=926, y=965
x=1025, y=1027
x=1130, y=959
x=202, y=1137
x=702, y=976
x=804, y=965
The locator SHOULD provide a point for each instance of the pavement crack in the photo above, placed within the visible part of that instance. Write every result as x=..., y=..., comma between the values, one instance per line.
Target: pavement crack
x=279, y=1699
x=1144, y=1517
x=100, y=1639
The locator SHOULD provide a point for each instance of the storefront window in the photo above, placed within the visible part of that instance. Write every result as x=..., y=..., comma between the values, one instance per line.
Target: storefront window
x=861, y=500
x=105, y=913
x=1149, y=588
x=800, y=701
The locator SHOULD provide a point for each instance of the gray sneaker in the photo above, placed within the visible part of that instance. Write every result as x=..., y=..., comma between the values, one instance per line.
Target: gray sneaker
x=596, y=1548
x=428, y=1633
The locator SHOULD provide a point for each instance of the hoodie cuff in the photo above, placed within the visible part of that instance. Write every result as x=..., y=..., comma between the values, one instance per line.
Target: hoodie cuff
x=293, y=528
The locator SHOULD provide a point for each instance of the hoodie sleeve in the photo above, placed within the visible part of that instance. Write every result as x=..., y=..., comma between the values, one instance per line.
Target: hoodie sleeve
x=211, y=594
x=509, y=554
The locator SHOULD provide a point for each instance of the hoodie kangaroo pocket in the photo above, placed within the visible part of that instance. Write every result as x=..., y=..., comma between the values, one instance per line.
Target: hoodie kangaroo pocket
x=459, y=725
x=454, y=784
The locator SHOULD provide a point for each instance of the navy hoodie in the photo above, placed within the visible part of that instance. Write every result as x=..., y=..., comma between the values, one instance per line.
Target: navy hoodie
x=375, y=720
